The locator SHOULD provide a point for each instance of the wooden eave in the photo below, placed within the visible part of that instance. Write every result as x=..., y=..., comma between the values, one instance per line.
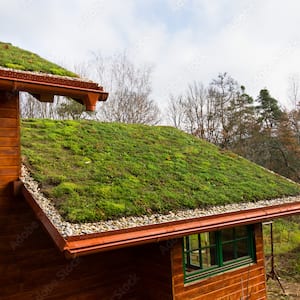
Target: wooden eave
x=44, y=87
x=92, y=243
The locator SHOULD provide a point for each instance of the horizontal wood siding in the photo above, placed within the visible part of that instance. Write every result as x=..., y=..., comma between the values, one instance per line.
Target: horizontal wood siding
x=31, y=267
x=9, y=142
x=154, y=269
x=248, y=280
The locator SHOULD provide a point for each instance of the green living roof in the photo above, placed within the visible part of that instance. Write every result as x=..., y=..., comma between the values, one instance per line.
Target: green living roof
x=16, y=58
x=98, y=171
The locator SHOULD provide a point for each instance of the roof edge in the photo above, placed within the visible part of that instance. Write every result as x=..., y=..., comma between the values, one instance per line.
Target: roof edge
x=92, y=243
x=42, y=217
x=45, y=86
x=78, y=245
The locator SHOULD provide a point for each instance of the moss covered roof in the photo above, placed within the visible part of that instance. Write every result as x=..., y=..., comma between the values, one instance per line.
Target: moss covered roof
x=16, y=58
x=98, y=171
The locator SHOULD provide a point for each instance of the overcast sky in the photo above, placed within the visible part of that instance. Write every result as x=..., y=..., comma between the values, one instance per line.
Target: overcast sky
x=256, y=42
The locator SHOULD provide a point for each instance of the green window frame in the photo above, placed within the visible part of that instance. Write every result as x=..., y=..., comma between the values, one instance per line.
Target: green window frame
x=210, y=253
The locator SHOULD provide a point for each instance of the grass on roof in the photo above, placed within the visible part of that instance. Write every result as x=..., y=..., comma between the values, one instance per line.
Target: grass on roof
x=97, y=171
x=19, y=59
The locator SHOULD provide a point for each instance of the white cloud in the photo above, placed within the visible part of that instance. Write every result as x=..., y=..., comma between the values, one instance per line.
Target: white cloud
x=257, y=42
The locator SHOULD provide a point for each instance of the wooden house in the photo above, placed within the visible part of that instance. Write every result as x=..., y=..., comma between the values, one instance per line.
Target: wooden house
x=218, y=255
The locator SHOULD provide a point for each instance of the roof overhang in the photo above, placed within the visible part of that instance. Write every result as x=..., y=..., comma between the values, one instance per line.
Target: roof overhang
x=91, y=243
x=44, y=87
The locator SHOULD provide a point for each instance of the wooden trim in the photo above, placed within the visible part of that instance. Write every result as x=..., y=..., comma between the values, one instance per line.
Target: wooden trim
x=17, y=187
x=153, y=233
x=40, y=214
x=45, y=87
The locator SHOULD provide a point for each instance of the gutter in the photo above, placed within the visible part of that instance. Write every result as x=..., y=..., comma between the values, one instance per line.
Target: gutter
x=80, y=245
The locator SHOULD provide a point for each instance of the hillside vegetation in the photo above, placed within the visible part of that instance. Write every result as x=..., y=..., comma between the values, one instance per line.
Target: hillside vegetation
x=96, y=171
x=19, y=59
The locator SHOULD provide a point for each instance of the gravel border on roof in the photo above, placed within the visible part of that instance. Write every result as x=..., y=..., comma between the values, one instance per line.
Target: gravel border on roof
x=69, y=229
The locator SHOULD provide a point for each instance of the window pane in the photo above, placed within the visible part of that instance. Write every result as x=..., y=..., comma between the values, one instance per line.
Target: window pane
x=228, y=252
x=242, y=248
x=194, y=242
x=194, y=258
x=209, y=257
x=227, y=234
x=241, y=232
x=207, y=239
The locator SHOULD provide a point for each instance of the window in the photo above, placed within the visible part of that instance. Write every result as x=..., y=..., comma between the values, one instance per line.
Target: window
x=209, y=253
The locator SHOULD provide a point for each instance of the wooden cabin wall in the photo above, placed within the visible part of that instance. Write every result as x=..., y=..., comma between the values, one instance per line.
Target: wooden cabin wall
x=154, y=271
x=230, y=285
x=9, y=143
x=31, y=267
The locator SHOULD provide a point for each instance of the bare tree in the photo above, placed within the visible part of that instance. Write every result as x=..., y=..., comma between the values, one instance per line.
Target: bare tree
x=130, y=89
x=294, y=90
x=224, y=91
x=207, y=112
x=189, y=111
x=32, y=108
x=294, y=98
x=195, y=109
x=175, y=111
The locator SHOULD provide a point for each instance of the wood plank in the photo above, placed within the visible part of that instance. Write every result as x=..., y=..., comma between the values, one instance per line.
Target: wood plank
x=9, y=151
x=260, y=295
x=9, y=113
x=9, y=142
x=8, y=171
x=13, y=160
x=6, y=190
x=9, y=123
x=4, y=180
x=221, y=289
x=9, y=100
x=225, y=278
x=8, y=132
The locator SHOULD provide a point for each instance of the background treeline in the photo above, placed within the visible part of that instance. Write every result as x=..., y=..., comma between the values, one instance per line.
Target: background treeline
x=222, y=113
x=255, y=128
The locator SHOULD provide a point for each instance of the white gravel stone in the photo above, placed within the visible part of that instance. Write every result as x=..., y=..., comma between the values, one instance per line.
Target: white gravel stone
x=68, y=229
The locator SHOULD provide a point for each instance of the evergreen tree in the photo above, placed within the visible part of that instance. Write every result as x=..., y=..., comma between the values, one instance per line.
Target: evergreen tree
x=268, y=110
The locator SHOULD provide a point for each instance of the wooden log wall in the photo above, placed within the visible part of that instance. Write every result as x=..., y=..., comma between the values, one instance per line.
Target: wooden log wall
x=9, y=143
x=154, y=269
x=248, y=280
x=31, y=267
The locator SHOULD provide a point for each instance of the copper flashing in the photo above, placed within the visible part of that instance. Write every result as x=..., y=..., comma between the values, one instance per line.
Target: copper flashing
x=44, y=87
x=91, y=243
